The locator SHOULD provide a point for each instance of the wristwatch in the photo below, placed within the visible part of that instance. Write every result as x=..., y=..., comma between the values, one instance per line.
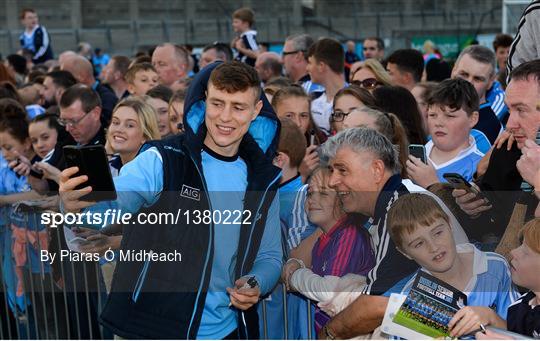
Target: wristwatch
x=328, y=334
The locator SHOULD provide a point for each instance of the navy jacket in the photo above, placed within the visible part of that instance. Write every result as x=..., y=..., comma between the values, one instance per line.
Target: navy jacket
x=163, y=300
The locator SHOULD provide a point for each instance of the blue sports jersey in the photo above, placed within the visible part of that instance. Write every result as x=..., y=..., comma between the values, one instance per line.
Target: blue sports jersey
x=464, y=163
x=495, y=97
x=488, y=123
x=299, y=226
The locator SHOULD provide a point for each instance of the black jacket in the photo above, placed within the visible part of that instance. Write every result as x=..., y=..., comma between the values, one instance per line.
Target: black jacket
x=163, y=300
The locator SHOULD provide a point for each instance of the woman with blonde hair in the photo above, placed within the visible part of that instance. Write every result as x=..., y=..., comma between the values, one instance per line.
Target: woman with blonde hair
x=371, y=74
x=133, y=123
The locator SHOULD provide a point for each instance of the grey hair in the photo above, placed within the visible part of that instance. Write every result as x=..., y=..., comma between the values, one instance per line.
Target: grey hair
x=361, y=140
x=481, y=54
x=301, y=42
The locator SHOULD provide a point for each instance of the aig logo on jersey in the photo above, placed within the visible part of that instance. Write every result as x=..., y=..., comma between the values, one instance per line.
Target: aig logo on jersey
x=190, y=193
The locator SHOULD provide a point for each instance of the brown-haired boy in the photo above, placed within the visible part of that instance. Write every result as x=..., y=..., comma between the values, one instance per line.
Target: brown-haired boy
x=422, y=231
x=246, y=41
x=141, y=77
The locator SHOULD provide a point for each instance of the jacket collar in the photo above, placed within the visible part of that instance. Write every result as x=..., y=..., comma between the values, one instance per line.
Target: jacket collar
x=389, y=193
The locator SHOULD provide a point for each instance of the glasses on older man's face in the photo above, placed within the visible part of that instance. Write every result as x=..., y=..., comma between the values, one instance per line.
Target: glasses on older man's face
x=368, y=83
x=286, y=53
x=72, y=123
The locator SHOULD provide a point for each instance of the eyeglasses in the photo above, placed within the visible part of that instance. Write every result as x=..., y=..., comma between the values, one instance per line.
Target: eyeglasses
x=72, y=123
x=339, y=116
x=368, y=83
x=284, y=53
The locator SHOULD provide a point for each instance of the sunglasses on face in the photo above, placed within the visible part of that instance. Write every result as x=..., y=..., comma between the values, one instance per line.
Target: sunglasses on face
x=368, y=83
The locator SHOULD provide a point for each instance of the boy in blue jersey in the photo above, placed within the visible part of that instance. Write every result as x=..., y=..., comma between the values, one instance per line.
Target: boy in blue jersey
x=422, y=232
x=452, y=112
x=221, y=163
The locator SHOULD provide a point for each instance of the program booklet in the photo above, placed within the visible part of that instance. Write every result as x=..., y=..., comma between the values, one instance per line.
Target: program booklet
x=429, y=306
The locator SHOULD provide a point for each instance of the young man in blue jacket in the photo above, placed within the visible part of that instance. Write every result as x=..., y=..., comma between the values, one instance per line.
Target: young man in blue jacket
x=222, y=163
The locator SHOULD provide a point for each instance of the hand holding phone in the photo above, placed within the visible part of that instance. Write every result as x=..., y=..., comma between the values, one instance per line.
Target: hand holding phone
x=418, y=151
x=469, y=198
x=92, y=161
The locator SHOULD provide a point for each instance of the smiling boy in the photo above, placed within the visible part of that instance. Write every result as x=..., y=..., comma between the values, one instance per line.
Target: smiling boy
x=421, y=231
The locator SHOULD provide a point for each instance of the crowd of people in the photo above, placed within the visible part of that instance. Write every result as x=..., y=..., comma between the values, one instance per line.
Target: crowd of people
x=293, y=179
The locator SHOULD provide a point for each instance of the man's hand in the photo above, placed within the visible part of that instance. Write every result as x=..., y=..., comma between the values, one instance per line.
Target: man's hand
x=69, y=196
x=470, y=203
x=423, y=175
x=469, y=319
x=528, y=164
x=501, y=139
x=100, y=243
x=309, y=162
x=243, y=298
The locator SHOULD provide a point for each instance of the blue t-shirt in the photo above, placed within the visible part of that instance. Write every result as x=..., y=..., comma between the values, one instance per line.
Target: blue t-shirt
x=491, y=284
x=28, y=40
x=464, y=163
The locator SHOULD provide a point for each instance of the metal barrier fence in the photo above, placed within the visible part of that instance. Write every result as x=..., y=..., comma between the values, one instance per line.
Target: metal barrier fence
x=62, y=300
x=127, y=36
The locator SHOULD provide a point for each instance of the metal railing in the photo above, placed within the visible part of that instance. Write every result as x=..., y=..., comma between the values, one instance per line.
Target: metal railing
x=126, y=36
x=63, y=300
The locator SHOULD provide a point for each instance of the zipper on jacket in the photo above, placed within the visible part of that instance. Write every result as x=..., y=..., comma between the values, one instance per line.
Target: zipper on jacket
x=142, y=277
x=256, y=215
x=249, y=241
x=210, y=244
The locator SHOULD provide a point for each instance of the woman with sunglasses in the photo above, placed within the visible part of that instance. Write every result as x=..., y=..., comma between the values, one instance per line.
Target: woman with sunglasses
x=370, y=74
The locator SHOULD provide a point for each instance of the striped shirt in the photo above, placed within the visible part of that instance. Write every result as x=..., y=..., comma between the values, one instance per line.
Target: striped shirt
x=345, y=249
x=526, y=44
x=299, y=227
x=250, y=42
x=309, y=86
x=524, y=318
x=495, y=97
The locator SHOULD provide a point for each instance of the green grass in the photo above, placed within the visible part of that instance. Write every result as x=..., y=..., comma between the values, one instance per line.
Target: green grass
x=410, y=323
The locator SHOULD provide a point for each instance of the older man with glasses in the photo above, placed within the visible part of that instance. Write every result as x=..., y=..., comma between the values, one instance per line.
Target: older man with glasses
x=80, y=112
x=295, y=61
